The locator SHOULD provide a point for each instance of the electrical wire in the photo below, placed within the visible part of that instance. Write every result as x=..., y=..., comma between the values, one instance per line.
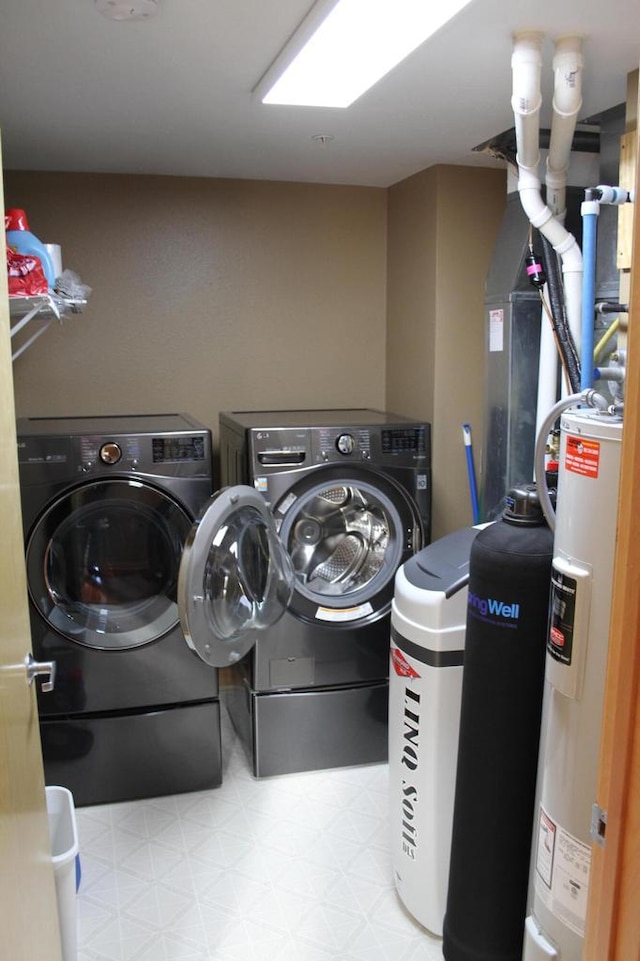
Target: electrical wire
x=547, y=310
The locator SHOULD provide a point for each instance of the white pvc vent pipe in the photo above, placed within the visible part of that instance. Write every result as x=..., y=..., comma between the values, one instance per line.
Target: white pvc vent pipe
x=567, y=101
x=526, y=100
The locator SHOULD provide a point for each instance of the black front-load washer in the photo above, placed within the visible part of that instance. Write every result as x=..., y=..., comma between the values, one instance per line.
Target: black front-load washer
x=350, y=495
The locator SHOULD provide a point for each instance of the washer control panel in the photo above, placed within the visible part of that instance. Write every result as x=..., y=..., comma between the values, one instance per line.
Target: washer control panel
x=110, y=453
x=346, y=444
x=295, y=447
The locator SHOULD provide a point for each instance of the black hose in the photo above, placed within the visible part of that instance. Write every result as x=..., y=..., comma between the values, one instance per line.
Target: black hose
x=604, y=308
x=564, y=338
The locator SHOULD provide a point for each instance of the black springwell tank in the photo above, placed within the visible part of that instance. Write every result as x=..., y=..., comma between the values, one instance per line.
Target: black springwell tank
x=509, y=575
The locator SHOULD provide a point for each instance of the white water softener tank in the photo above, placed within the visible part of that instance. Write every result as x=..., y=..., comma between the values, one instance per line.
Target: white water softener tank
x=428, y=621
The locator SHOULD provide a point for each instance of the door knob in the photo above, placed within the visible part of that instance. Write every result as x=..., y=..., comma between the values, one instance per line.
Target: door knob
x=44, y=668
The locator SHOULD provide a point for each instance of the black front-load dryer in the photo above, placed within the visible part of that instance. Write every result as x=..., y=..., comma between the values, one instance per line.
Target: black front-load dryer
x=350, y=494
x=108, y=503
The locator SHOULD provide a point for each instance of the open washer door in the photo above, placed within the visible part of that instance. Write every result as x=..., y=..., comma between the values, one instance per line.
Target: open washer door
x=235, y=576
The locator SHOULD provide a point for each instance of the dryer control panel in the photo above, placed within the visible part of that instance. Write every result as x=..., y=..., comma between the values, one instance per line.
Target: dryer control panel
x=71, y=449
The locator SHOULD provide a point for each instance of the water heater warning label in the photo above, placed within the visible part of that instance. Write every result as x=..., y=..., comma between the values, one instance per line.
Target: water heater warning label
x=562, y=616
x=582, y=456
x=563, y=863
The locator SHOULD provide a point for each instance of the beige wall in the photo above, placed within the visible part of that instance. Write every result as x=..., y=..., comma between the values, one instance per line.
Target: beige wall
x=442, y=227
x=217, y=294
x=411, y=295
x=208, y=295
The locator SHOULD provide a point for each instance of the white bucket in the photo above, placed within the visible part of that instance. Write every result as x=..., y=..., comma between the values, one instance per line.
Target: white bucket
x=64, y=852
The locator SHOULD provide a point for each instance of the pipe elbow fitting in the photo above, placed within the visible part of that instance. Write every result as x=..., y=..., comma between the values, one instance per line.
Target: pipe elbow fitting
x=590, y=208
x=570, y=252
x=567, y=67
x=567, y=112
x=613, y=195
x=556, y=177
x=535, y=208
x=526, y=103
x=528, y=178
x=527, y=48
x=593, y=399
x=567, y=93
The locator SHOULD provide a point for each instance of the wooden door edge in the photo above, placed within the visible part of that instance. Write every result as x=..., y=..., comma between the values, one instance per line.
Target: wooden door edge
x=613, y=924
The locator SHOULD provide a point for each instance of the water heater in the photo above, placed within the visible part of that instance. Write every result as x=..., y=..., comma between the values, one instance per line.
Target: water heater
x=576, y=661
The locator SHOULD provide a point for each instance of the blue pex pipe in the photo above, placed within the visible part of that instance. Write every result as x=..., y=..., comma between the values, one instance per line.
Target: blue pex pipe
x=468, y=446
x=589, y=211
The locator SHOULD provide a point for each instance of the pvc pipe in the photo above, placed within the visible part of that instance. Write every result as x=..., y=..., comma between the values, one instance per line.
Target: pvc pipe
x=562, y=242
x=547, y=374
x=473, y=488
x=556, y=184
x=589, y=210
x=525, y=102
x=526, y=99
x=573, y=297
x=542, y=217
x=589, y=397
x=613, y=195
x=567, y=101
x=567, y=91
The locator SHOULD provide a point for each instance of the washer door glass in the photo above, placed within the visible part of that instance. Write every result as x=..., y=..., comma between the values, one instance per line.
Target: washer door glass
x=102, y=563
x=346, y=535
x=235, y=578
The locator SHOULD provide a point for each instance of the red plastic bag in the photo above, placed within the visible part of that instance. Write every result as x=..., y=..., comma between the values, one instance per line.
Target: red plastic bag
x=25, y=274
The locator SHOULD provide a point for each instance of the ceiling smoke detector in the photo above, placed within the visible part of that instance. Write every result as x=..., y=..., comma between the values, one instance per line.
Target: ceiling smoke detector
x=127, y=9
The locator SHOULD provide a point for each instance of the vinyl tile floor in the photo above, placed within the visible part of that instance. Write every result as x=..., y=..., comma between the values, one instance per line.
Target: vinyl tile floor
x=293, y=868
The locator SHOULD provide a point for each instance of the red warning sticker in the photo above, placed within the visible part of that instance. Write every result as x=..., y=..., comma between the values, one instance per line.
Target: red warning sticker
x=401, y=664
x=582, y=456
x=556, y=637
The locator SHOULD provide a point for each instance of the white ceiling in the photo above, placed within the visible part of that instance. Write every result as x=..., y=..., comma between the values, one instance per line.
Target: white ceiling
x=172, y=95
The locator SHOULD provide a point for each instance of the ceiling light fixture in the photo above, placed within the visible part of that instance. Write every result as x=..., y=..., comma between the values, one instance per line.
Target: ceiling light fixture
x=343, y=47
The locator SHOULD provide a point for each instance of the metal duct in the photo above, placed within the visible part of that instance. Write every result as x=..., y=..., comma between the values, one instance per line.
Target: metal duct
x=512, y=322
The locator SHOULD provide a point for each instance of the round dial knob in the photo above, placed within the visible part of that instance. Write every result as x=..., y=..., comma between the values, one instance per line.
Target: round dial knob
x=345, y=444
x=110, y=453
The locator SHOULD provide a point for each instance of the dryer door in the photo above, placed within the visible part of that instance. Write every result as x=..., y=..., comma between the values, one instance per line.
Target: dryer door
x=102, y=563
x=235, y=577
